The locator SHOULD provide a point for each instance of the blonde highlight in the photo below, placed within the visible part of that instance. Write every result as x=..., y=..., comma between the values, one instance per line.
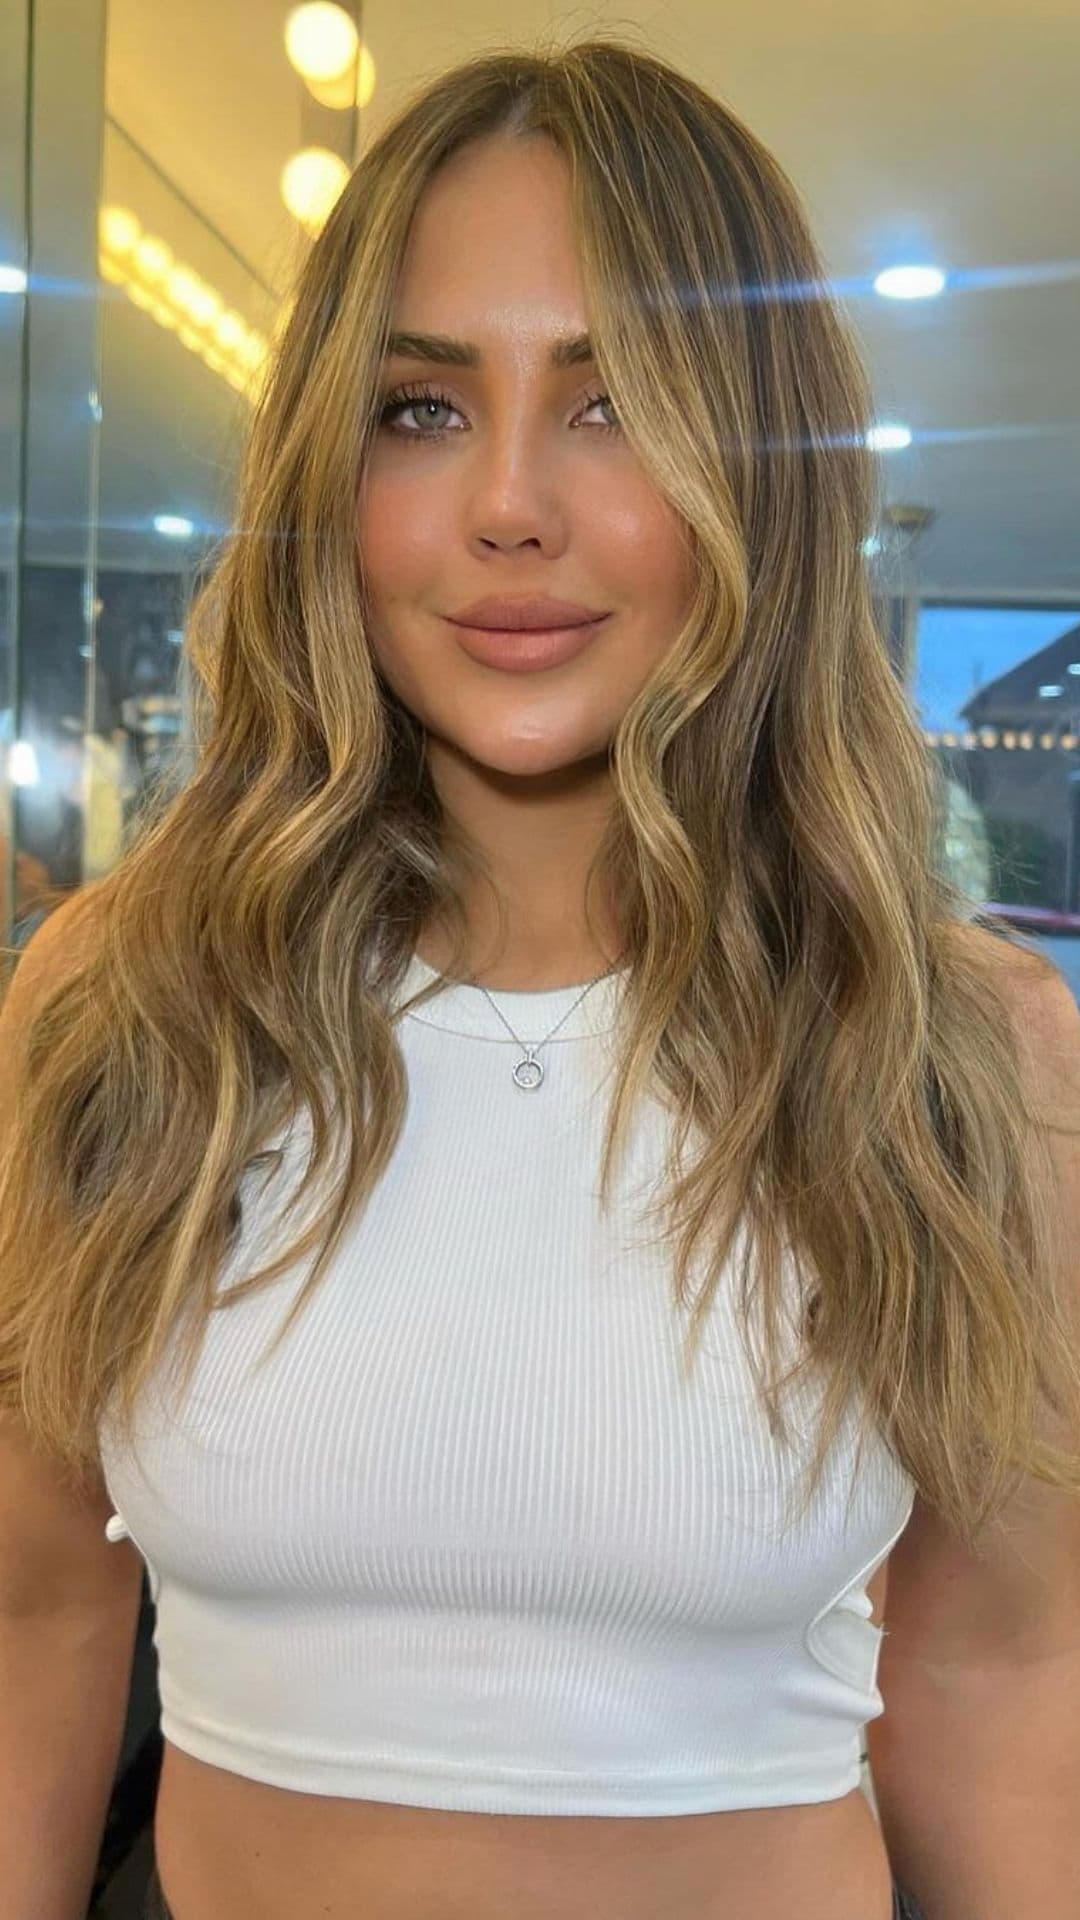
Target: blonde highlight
x=796, y=992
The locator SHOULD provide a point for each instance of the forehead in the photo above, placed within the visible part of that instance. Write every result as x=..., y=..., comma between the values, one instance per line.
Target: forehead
x=491, y=258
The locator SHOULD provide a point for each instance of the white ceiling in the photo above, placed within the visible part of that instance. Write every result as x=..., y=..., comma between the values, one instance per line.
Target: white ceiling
x=947, y=134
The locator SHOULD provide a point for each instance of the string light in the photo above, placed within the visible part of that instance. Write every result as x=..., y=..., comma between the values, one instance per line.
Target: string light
x=179, y=300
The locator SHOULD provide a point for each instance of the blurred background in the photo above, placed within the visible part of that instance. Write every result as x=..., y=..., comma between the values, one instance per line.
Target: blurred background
x=162, y=172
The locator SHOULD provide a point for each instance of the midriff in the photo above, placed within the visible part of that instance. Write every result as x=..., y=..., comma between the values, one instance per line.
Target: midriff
x=231, y=1848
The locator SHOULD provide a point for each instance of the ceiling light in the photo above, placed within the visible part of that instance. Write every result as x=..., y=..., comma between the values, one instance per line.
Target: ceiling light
x=153, y=259
x=888, y=438
x=320, y=40
x=174, y=296
x=118, y=229
x=310, y=184
x=910, y=283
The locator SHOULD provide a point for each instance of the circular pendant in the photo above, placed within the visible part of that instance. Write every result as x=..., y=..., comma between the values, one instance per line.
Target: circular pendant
x=528, y=1073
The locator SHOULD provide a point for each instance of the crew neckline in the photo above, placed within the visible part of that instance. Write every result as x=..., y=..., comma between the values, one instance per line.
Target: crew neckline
x=532, y=1012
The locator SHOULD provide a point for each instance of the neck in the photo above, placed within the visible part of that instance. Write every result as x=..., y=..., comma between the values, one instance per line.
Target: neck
x=537, y=837
x=523, y=964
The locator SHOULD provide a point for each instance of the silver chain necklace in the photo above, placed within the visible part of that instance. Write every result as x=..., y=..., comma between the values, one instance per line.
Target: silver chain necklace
x=528, y=1073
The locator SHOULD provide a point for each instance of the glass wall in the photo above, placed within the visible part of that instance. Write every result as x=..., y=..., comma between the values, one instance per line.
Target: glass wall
x=998, y=691
x=58, y=508
x=163, y=172
x=14, y=71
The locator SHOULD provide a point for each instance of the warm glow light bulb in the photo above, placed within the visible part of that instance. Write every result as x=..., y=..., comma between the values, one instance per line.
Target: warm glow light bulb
x=206, y=305
x=310, y=184
x=195, y=297
x=153, y=258
x=180, y=302
x=118, y=229
x=183, y=288
x=252, y=351
x=320, y=40
x=229, y=330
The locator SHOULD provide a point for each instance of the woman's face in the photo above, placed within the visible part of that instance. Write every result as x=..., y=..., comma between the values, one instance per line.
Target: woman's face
x=524, y=491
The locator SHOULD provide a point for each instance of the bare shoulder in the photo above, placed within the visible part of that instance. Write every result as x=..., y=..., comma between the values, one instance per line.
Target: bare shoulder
x=1002, y=958
x=55, y=949
x=1045, y=1016
x=62, y=940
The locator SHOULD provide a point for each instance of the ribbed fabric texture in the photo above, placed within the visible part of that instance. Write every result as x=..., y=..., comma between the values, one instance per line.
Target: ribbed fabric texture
x=471, y=1541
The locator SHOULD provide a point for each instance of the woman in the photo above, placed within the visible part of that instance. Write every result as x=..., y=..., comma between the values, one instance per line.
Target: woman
x=468, y=1595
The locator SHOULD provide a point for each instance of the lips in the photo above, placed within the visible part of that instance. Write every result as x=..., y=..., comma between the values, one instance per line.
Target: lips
x=527, y=649
x=522, y=614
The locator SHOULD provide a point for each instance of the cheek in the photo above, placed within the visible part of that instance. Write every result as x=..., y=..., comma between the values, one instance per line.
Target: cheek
x=647, y=544
x=399, y=536
x=659, y=571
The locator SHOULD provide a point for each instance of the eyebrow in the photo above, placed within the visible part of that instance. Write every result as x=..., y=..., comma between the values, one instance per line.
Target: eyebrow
x=567, y=350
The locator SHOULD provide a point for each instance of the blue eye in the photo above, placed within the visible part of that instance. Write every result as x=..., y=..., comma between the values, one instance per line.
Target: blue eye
x=405, y=398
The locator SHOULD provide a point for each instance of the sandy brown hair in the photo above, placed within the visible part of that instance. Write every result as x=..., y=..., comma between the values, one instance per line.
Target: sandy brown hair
x=842, y=1075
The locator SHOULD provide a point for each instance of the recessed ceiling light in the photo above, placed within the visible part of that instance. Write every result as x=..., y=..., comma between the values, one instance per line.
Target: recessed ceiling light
x=910, y=283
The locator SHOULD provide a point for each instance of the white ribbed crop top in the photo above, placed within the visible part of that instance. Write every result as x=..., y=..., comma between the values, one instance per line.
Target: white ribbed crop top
x=471, y=1540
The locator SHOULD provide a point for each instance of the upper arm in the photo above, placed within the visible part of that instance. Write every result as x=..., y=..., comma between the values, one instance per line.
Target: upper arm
x=54, y=1556
x=53, y=1551
x=1020, y=1596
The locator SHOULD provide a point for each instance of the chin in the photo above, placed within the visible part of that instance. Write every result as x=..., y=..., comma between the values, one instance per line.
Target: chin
x=539, y=759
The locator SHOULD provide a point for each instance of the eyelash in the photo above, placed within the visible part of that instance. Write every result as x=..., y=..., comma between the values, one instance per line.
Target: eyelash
x=403, y=397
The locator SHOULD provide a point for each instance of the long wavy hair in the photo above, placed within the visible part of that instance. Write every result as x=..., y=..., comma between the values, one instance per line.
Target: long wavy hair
x=798, y=993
